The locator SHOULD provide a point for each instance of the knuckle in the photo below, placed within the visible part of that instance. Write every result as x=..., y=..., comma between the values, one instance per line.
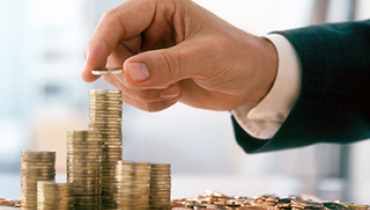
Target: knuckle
x=171, y=63
x=142, y=96
x=152, y=107
x=109, y=13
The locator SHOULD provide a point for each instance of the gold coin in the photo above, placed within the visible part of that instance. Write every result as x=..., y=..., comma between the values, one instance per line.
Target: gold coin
x=116, y=150
x=30, y=180
x=86, y=193
x=104, y=98
x=66, y=200
x=160, y=186
x=127, y=177
x=85, y=180
x=94, y=107
x=133, y=163
x=38, y=158
x=112, y=142
x=86, y=200
x=47, y=206
x=49, y=196
x=25, y=167
x=38, y=175
x=105, y=126
x=105, y=102
x=114, y=137
x=84, y=146
x=86, y=171
x=36, y=163
x=159, y=173
x=85, y=157
x=166, y=193
x=160, y=165
x=103, y=120
x=107, y=71
x=47, y=184
x=160, y=181
x=86, y=188
x=103, y=92
x=117, y=118
x=105, y=129
x=82, y=185
x=105, y=113
x=45, y=153
x=125, y=207
x=120, y=185
x=89, y=167
x=74, y=150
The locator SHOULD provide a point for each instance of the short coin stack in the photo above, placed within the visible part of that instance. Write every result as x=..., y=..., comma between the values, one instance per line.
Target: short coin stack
x=160, y=186
x=106, y=116
x=54, y=196
x=84, y=156
x=35, y=166
x=132, y=185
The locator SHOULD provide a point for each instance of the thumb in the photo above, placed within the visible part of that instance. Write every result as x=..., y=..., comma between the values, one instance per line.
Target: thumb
x=160, y=68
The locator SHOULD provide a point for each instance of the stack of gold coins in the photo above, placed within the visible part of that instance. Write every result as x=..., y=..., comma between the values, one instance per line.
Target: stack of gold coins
x=35, y=166
x=160, y=186
x=132, y=185
x=106, y=116
x=84, y=156
x=54, y=196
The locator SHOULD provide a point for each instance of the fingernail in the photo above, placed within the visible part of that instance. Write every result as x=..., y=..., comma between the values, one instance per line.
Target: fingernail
x=170, y=92
x=139, y=71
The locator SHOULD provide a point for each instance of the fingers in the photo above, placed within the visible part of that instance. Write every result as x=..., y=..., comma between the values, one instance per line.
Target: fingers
x=159, y=68
x=148, y=99
x=120, y=23
x=149, y=106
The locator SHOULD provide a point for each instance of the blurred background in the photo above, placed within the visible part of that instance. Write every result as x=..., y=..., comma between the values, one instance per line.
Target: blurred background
x=42, y=96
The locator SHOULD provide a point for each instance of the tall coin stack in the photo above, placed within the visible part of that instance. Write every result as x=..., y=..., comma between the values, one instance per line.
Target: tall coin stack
x=84, y=156
x=35, y=166
x=54, y=196
x=106, y=116
x=132, y=185
x=160, y=186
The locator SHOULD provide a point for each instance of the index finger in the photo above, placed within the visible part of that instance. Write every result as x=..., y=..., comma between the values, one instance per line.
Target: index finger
x=124, y=21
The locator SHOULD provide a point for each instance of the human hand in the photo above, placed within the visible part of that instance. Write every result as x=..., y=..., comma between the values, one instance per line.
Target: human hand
x=175, y=50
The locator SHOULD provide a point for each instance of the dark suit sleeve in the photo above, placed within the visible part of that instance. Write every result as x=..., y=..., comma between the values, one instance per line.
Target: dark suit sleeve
x=334, y=101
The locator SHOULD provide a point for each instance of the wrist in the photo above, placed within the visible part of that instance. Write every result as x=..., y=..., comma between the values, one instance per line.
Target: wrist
x=266, y=65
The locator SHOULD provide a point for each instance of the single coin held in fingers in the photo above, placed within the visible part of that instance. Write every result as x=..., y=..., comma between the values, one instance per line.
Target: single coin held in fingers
x=107, y=71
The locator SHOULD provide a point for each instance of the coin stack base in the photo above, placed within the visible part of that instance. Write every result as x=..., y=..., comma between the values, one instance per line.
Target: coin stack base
x=131, y=190
x=160, y=186
x=35, y=166
x=106, y=116
x=54, y=196
x=84, y=156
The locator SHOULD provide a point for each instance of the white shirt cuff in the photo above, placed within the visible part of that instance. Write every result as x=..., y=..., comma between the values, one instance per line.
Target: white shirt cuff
x=265, y=119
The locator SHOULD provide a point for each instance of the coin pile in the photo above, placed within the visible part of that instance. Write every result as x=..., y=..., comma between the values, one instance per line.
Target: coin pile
x=216, y=200
x=105, y=115
x=132, y=185
x=84, y=156
x=160, y=186
x=35, y=166
x=54, y=196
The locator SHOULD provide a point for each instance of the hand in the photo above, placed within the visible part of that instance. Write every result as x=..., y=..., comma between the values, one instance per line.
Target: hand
x=175, y=50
